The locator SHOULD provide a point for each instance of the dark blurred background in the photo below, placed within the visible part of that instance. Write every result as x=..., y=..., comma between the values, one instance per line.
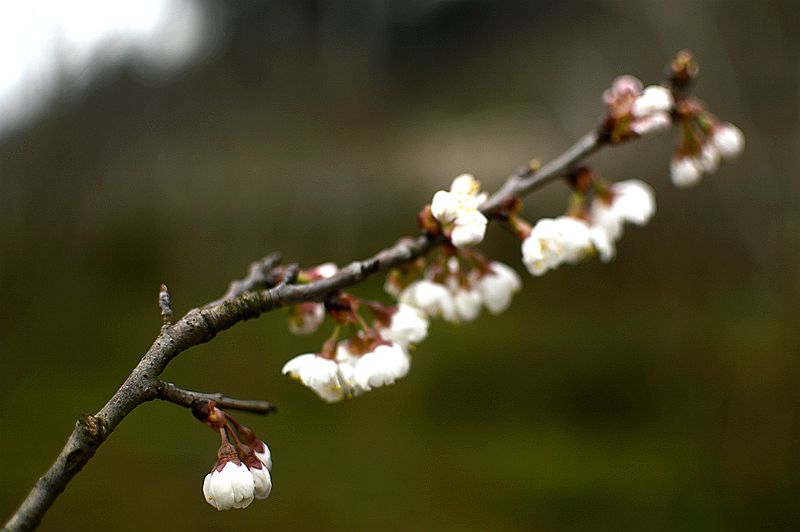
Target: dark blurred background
x=658, y=392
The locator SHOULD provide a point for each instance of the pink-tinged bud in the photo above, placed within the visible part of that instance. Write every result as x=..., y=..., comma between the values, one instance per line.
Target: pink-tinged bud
x=651, y=124
x=621, y=87
x=728, y=139
x=686, y=171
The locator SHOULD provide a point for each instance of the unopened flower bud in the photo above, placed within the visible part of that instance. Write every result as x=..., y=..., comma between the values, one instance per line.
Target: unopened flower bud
x=728, y=139
x=230, y=484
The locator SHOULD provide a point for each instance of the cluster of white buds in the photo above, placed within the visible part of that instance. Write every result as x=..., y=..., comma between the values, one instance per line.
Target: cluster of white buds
x=704, y=141
x=458, y=291
x=598, y=214
x=372, y=356
x=457, y=211
x=243, y=469
x=455, y=286
x=633, y=111
x=306, y=318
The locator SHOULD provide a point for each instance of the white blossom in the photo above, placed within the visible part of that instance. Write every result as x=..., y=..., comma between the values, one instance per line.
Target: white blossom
x=408, y=325
x=497, y=287
x=431, y=298
x=575, y=240
x=728, y=139
x=633, y=201
x=262, y=452
x=262, y=481
x=467, y=302
x=459, y=207
x=468, y=229
x=232, y=486
x=686, y=171
x=541, y=249
x=320, y=374
x=381, y=367
x=654, y=99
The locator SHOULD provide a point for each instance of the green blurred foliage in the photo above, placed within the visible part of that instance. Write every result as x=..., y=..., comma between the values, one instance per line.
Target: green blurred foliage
x=659, y=392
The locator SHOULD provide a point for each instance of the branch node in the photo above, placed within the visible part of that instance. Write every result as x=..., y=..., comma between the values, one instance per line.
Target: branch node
x=165, y=304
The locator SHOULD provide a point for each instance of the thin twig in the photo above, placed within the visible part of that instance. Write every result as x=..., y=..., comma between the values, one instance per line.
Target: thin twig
x=258, y=277
x=169, y=392
x=245, y=299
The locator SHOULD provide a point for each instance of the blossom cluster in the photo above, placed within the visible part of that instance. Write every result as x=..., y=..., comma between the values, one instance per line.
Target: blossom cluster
x=634, y=110
x=704, y=140
x=454, y=287
x=243, y=468
x=455, y=283
x=457, y=211
x=376, y=356
x=570, y=239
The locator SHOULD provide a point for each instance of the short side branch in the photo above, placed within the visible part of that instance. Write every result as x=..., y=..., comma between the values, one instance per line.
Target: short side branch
x=169, y=392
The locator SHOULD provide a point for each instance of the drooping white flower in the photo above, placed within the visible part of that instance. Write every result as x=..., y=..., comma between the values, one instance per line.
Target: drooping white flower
x=381, y=366
x=262, y=452
x=575, y=240
x=467, y=302
x=229, y=486
x=408, y=325
x=320, y=374
x=654, y=99
x=686, y=171
x=538, y=254
x=728, y=139
x=468, y=229
x=553, y=242
x=633, y=201
x=458, y=207
x=431, y=298
x=603, y=243
x=497, y=287
x=262, y=480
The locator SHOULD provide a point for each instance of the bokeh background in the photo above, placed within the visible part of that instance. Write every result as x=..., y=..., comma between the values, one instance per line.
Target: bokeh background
x=658, y=392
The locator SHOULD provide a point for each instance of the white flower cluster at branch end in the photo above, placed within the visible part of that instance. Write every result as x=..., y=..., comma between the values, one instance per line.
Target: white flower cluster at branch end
x=726, y=141
x=457, y=211
x=233, y=483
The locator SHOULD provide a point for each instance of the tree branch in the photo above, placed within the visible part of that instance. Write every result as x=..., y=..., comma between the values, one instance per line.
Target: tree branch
x=169, y=392
x=245, y=299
